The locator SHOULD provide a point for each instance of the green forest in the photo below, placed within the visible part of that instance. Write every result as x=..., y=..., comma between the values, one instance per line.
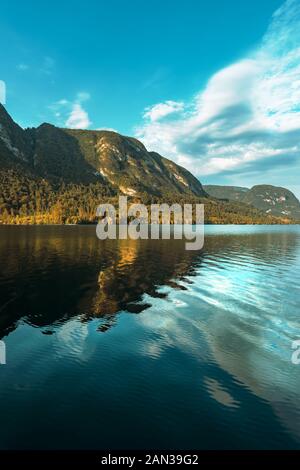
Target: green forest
x=35, y=200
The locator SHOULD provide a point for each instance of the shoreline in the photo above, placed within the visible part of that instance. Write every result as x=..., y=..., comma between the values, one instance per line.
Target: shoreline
x=171, y=225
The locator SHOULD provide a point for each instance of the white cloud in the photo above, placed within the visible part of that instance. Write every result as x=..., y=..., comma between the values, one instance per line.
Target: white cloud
x=78, y=118
x=2, y=92
x=71, y=113
x=160, y=110
x=247, y=118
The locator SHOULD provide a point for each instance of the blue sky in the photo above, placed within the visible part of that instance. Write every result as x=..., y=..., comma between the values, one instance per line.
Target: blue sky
x=213, y=85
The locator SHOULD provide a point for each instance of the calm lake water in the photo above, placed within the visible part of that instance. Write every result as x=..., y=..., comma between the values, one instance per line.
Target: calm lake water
x=142, y=344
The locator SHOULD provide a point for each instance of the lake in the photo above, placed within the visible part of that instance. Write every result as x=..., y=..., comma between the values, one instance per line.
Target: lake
x=142, y=344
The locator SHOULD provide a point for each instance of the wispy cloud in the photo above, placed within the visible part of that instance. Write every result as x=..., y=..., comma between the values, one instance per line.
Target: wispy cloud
x=247, y=117
x=72, y=113
x=161, y=110
x=111, y=129
x=48, y=65
x=82, y=96
x=155, y=79
x=22, y=67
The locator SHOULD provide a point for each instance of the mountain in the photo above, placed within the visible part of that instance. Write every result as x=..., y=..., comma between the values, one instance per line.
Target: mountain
x=273, y=200
x=83, y=156
x=15, y=143
x=125, y=163
x=54, y=175
x=232, y=193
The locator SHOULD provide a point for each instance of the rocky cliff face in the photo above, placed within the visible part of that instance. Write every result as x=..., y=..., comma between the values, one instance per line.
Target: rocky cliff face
x=126, y=164
x=15, y=143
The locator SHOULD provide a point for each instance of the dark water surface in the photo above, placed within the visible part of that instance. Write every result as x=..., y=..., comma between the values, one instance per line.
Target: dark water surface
x=142, y=344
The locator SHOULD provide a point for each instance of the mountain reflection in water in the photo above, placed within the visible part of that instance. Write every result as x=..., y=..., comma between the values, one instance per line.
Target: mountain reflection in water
x=55, y=273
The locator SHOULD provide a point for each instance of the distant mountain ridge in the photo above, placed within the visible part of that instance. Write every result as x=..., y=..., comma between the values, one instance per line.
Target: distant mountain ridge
x=270, y=199
x=232, y=193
